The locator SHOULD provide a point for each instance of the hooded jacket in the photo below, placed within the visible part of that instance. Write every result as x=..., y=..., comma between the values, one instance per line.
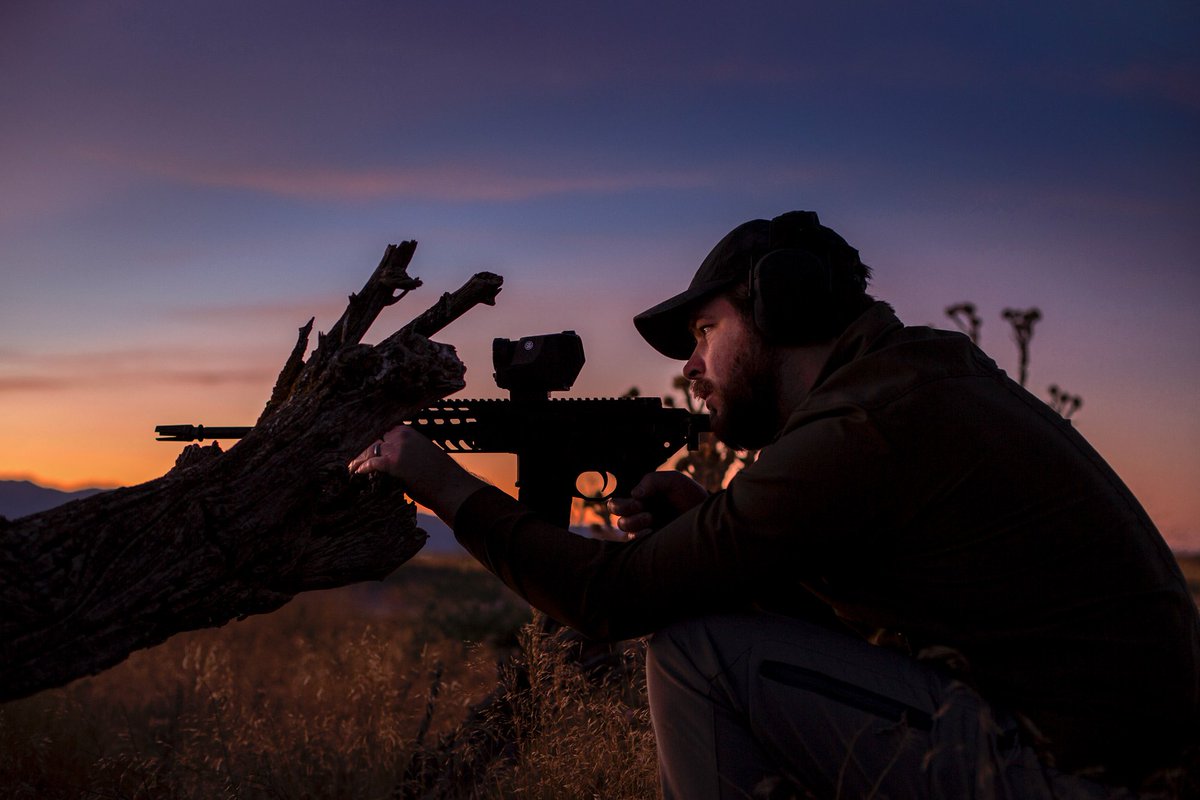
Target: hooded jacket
x=917, y=490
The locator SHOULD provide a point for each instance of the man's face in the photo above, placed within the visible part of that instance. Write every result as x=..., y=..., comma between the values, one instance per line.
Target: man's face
x=733, y=372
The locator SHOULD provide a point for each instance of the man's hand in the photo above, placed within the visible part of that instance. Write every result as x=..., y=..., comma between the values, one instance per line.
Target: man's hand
x=429, y=476
x=657, y=499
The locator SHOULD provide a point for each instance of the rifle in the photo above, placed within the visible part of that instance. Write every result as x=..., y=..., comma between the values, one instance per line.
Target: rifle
x=555, y=440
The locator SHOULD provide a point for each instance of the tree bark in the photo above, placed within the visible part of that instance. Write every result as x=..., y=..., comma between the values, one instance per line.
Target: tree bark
x=228, y=534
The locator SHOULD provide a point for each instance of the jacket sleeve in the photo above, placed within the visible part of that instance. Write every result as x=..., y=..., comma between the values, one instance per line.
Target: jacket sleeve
x=811, y=496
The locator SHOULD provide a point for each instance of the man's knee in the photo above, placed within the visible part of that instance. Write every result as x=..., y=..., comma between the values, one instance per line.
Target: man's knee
x=716, y=657
x=716, y=642
x=665, y=644
x=698, y=650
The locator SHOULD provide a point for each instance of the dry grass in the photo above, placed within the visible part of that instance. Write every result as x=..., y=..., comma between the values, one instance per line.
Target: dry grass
x=329, y=697
x=344, y=694
x=579, y=739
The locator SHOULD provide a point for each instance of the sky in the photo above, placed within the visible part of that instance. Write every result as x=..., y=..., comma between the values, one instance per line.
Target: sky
x=182, y=185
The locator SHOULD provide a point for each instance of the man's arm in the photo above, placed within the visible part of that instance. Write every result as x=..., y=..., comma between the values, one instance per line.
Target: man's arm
x=433, y=479
x=658, y=498
x=782, y=518
x=428, y=475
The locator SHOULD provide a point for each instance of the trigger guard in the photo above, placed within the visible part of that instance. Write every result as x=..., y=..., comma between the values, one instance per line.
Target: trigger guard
x=607, y=491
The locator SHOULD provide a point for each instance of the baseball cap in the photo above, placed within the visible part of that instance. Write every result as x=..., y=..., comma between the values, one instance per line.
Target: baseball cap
x=665, y=326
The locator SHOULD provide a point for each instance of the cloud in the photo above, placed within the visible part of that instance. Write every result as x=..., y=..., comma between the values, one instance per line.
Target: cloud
x=1176, y=84
x=447, y=182
x=297, y=311
x=91, y=380
x=56, y=372
x=461, y=182
x=31, y=383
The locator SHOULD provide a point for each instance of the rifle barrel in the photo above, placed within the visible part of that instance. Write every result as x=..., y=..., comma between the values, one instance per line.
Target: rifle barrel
x=197, y=433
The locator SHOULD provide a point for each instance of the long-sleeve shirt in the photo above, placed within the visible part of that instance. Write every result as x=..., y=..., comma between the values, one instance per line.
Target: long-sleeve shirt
x=916, y=489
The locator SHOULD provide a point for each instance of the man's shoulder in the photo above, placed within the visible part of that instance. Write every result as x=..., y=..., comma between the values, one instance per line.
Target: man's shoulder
x=899, y=361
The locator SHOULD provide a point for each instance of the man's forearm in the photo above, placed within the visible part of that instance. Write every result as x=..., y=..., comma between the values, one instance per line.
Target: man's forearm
x=447, y=497
x=430, y=477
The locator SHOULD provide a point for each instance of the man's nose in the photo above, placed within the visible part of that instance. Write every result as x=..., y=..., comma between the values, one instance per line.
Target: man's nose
x=694, y=367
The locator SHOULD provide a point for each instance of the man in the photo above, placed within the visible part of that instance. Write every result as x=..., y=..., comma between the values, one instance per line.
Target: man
x=927, y=585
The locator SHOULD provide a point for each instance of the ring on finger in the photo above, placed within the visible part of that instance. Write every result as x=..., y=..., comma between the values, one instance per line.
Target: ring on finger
x=378, y=450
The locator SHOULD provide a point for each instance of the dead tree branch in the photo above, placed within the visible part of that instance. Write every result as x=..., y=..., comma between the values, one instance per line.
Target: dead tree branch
x=227, y=534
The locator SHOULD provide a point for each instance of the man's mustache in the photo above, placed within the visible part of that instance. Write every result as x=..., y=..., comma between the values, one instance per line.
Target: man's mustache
x=701, y=388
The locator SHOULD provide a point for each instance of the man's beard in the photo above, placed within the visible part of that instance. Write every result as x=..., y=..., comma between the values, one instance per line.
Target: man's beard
x=747, y=413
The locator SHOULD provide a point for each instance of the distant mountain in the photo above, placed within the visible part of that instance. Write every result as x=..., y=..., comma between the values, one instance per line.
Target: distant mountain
x=22, y=498
x=442, y=541
x=441, y=538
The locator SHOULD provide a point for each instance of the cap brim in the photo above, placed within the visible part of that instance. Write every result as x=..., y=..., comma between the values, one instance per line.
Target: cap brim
x=665, y=326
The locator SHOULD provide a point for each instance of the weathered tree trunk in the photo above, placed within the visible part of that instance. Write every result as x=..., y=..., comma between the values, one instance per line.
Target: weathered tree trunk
x=227, y=534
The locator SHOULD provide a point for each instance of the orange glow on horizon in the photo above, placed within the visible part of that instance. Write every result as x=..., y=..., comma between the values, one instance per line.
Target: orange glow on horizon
x=102, y=435
x=128, y=455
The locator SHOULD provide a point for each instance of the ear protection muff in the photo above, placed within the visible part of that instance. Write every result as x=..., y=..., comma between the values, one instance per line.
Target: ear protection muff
x=791, y=287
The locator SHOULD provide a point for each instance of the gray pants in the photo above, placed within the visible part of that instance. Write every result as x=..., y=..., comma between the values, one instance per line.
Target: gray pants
x=768, y=706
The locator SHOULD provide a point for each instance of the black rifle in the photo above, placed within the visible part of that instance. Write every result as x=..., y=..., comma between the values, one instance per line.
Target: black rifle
x=555, y=440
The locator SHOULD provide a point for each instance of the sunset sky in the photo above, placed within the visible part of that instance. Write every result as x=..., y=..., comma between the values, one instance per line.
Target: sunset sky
x=183, y=184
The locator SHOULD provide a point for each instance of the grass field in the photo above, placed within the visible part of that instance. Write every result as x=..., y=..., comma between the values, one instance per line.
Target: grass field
x=336, y=695
x=350, y=693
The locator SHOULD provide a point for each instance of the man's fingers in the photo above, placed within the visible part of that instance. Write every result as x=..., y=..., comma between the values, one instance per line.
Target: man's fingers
x=631, y=515
x=623, y=506
x=635, y=522
x=658, y=498
x=363, y=461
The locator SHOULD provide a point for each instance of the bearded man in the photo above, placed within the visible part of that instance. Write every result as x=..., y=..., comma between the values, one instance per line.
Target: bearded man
x=927, y=585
